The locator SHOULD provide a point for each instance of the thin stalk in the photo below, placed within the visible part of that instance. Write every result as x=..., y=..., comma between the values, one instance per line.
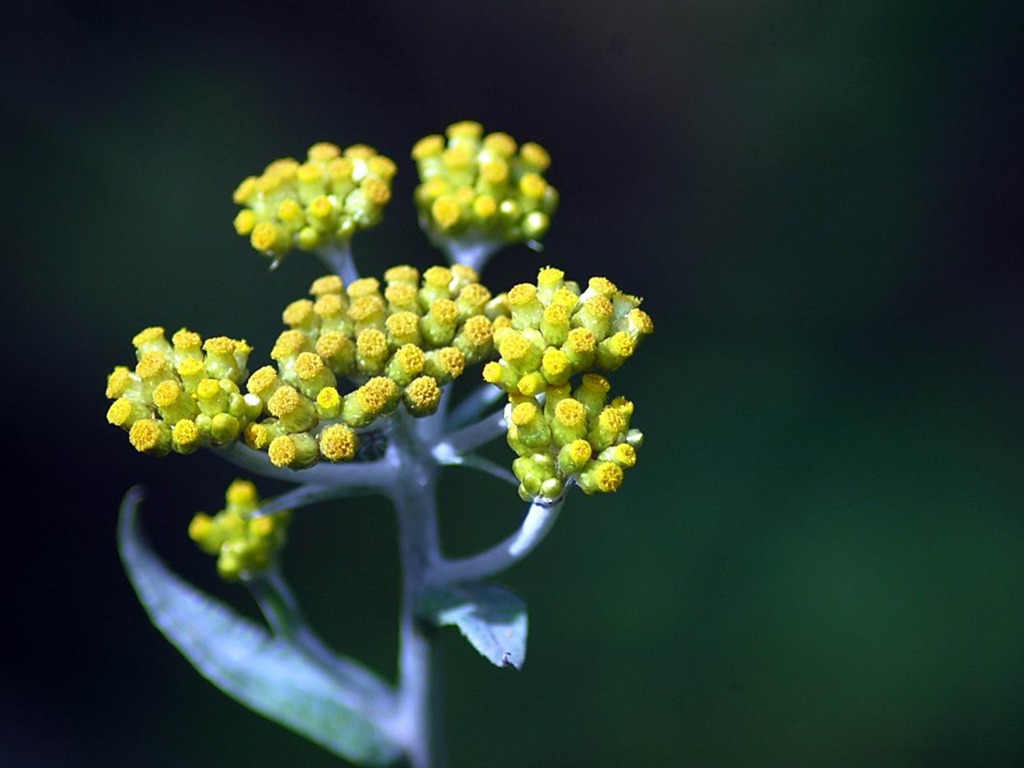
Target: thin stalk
x=539, y=520
x=418, y=715
x=338, y=259
x=474, y=405
x=357, y=474
x=472, y=437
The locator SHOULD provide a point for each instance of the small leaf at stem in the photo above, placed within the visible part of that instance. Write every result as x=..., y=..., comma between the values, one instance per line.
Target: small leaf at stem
x=268, y=674
x=491, y=618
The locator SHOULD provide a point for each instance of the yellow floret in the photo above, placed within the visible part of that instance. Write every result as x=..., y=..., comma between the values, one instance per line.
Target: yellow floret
x=244, y=190
x=428, y=146
x=500, y=144
x=151, y=365
x=376, y=191
x=267, y=236
x=485, y=206
x=282, y=451
x=261, y=380
x=242, y=493
x=469, y=129
x=524, y=413
x=366, y=307
x=166, y=393
x=372, y=344
x=148, y=336
x=403, y=273
x=309, y=365
x=323, y=151
x=494, y=171
x=149, y=436
x=437, y=276
x=298, y=312
x=338, y=443
x=422, y=395
x=446, y=211
x=325, y=285
x=478, y=330
x=364, y=286
x=288, y=344
x=120, y=412
x=185, y=339
x=535, y=155
x=522, y=294
x=118, y=382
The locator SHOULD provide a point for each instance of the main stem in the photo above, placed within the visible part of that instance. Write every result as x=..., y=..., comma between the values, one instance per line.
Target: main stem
x=418, y=717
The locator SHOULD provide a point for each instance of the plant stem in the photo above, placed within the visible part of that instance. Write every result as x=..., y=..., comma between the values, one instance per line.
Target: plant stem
x=418, y=715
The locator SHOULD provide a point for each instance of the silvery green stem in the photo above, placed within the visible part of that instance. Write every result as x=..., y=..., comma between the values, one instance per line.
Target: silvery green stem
x=539, y=520
x=417, y=718
x=371, y=474
x=338, y=259
x=473, y=407
x=473, y=254
x=471, y=437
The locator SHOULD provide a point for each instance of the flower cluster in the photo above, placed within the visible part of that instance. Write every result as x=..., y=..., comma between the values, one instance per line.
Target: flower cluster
x=398, y=346
x=182, y=394
x=320, y=202
x=554, y=332
x=244, y=545
x=482, y=188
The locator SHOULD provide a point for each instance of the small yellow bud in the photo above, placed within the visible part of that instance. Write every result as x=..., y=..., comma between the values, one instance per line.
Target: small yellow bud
x=465, y=129
x=267, y=237
x=149, y=436
x=299, y=314
x=534, y=156
x=338, y=443
x=118, y=382
x=422, y=396
x=325, y=285
x=428, y=146
x=500, y=144
x=446, y=212
x=601, y=477
x=186, y=436
x=323, y=151
x=328, y=403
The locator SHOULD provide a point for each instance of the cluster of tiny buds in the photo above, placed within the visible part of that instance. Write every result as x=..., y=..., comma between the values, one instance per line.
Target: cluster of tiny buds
x=244, y=545
x=182, y=394
x=398, y=342
x=351, y=355
x=554, y=332
x=320, y=202
x=482, y=188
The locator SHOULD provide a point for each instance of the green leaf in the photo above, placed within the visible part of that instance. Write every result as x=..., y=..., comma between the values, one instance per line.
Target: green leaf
x=268, y=674
x=491, y=618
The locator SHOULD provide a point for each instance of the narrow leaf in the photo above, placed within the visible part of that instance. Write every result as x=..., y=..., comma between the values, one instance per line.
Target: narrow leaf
x=265, y=673
x=492, y=619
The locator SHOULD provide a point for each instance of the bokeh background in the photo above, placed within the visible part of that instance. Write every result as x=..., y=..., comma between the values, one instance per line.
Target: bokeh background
x=819, y=560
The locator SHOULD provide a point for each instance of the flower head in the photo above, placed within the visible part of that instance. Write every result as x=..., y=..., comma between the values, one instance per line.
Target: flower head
x=244, y=545
x=478, y=189
x=323, y=201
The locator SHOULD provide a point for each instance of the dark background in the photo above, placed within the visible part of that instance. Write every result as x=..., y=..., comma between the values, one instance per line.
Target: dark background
x=819, y=559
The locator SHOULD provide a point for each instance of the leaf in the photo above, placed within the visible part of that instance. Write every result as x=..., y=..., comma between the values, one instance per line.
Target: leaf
x=268, y=674
x=491, y=618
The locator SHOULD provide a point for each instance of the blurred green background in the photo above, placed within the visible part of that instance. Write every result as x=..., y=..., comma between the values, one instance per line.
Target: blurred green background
x=819, y=560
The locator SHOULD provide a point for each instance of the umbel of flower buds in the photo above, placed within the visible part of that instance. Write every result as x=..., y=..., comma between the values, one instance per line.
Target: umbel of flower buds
x=244, y=545
x=482, y=188
x=351, y=354
x=318, y=203
x=561, y=421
